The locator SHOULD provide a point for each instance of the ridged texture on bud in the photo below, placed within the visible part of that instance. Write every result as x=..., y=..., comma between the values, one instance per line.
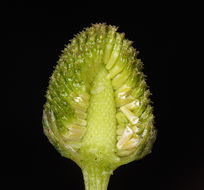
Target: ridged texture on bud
x=98, y=109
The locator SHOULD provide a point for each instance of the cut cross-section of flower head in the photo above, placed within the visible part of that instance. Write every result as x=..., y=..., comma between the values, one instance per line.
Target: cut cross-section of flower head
x=98, y=111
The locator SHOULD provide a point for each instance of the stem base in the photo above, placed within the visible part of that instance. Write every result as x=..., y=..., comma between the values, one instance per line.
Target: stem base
x=96, y=178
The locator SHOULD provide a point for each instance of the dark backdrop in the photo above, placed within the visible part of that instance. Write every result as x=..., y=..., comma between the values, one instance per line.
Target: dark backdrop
x=36, y=34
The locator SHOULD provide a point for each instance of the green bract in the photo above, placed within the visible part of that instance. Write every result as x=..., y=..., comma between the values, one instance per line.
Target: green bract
x=98, y=111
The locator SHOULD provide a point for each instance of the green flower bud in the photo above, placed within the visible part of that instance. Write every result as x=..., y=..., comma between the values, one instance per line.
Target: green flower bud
x=98, y=111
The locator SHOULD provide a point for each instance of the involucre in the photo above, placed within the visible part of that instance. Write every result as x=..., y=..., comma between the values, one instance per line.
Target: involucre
x=98, y=112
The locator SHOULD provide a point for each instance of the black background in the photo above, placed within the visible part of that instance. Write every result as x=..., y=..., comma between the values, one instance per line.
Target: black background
x=36, y=34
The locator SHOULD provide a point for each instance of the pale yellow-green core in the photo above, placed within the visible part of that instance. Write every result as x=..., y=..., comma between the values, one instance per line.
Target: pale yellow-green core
x=99, y=141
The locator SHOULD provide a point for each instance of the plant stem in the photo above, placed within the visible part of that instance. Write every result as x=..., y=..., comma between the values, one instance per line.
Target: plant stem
x=95, y=178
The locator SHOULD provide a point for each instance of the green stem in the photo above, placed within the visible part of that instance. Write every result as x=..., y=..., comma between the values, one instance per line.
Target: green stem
x=95, y=178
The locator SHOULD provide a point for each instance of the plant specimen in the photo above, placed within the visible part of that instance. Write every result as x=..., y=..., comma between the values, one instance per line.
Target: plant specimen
x=98, y=112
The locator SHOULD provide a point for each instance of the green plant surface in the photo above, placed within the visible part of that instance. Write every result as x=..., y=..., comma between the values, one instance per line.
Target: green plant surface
x=98, y=112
